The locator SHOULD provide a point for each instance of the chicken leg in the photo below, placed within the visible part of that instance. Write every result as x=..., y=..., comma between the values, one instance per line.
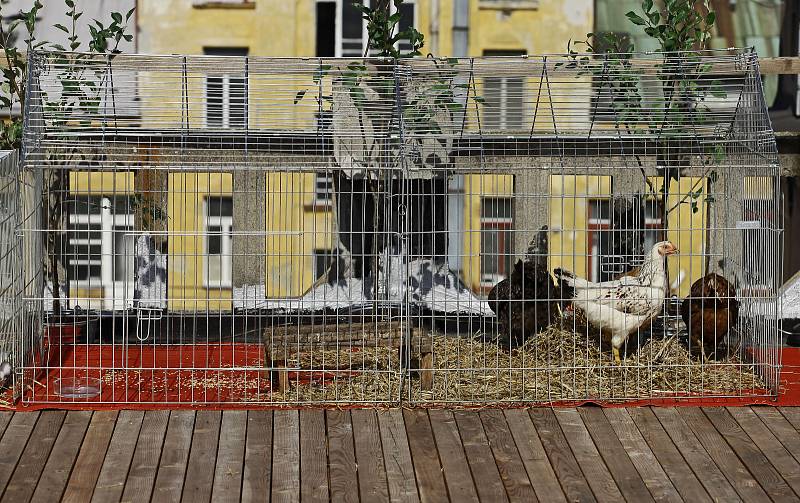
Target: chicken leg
x=615, y=352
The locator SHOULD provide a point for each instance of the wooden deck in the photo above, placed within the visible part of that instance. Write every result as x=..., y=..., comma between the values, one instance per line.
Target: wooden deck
x=586, y=454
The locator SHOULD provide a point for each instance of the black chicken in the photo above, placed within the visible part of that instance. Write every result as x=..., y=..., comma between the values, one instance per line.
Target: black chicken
x=526, y=302
x=709, y=312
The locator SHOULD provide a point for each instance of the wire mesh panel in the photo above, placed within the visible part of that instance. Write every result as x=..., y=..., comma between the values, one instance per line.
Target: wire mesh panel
x=209, y=229
x=10, y=313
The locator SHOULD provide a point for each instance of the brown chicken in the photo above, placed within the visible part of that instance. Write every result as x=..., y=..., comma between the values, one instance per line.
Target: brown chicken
x=709, y=312
x=525, y=303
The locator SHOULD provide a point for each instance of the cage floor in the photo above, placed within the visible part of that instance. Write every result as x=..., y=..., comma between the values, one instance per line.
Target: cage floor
x=178, y=384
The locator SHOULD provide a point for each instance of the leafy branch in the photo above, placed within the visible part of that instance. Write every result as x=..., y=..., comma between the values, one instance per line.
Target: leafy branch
x=681, y=29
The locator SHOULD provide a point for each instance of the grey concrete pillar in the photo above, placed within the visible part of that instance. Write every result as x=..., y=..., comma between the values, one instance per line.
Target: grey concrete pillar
x=249, y=208
x=531, y=205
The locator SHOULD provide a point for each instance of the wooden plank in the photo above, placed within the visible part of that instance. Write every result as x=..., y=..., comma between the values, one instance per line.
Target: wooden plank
x=597, y=474
x=230, y=456
x=781, y=428
x=314, y=456
x=782, y=461
x=506, y=456
x=111, y=480
x=779, y=65
x=15, y=437
x=455, y=467
x=397, y=457
x=144, y=466
x=612, y=451
x=566, y=467
x=641, y=457
x=341, y=456
x=31, y=463
x=286, y=456
x=427, y=468
x=372, y=482
x=62, y=457
x=199, y=479
x=90, y=458
x=667, y=456
x=719, y=450
x=685, y=441
x=172, y=467
x=257, y=456
x=5, y=418
x=749, y=453
x=479, y=456
x=533, y=456
x=792, y=414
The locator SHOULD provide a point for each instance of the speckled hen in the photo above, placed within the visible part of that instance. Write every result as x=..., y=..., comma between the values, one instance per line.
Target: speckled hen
x=621, y=306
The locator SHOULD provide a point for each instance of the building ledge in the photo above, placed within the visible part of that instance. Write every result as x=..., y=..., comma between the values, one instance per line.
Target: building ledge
x=508, y=4
x=223, y=4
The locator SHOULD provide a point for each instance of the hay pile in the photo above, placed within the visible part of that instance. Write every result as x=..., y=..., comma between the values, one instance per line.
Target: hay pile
x=557, y=364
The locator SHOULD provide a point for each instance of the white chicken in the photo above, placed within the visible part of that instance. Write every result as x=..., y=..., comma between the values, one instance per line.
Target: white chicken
x=621, y=306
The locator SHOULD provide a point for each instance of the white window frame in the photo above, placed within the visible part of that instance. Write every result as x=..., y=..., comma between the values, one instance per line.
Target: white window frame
x=323, y=198
x=226, y=102
x=225, y=223
x=499, y=117
x=109, y=223
x=364, y=36
x=754, y=289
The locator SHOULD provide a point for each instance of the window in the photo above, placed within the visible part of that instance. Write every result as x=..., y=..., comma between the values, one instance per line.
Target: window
x=342, y=31
x=605, y=261
x=323, y=189
x=226, y=95
x=218, y=213
x=759, y=245
x=495, y=240
x=100, y=247
x=503, y=108
x=322, y=260
x=598, y=223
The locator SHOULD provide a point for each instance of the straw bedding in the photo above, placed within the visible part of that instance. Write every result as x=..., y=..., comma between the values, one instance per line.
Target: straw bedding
x=558, y=364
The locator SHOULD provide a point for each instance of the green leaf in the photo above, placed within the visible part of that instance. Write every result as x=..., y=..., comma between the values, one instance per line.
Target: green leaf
x=61, y=27
x=129, y=14
x=647, y=5
x=117, y=17
x=710, y=18
x=635, y=19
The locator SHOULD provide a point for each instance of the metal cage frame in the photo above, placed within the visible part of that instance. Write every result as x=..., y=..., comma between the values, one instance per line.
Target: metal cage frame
x=334, y=239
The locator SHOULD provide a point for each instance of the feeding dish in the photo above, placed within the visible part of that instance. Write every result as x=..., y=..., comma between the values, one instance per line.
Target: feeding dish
x=77, y=387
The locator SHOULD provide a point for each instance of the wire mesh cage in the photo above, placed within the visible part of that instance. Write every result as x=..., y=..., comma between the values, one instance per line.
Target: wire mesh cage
x=210, y=229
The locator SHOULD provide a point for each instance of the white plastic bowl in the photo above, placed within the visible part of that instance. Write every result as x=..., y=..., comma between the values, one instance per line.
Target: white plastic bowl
x=77, y=387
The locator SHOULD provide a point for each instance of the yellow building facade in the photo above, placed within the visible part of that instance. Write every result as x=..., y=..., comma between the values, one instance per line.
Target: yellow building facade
x=296, y=227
